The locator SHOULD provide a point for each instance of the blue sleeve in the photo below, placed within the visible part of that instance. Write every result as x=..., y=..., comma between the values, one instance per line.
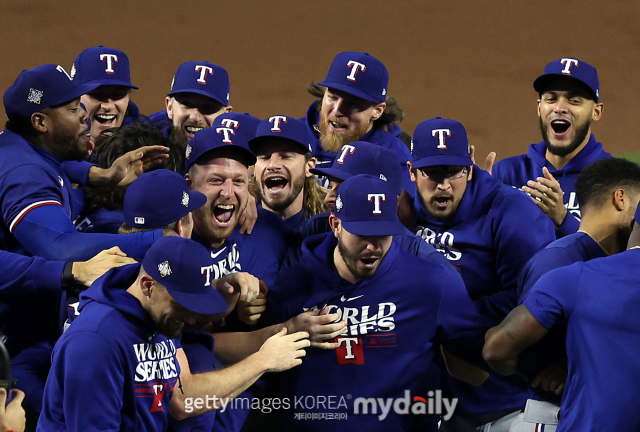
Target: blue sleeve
x=48, y=232
x=28, y=275
x=543, y=262
x=78, y=172
x=570, y=226
x=552, y=299
x=85, y=386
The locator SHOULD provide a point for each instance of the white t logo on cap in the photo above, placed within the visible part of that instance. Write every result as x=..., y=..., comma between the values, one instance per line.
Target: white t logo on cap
x=230, y=123
x=376, y=199
x=204, y=71
x=568, y=62
x=276, y=122
x=110, y=59
x=343, y=152
x=227, y=134
x=355, y=66
x=442, y=134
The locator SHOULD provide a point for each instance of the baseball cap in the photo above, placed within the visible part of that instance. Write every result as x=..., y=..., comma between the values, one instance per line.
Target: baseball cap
x=203, y=78
x=39, y=88
x=179, y=264
x=245, y=123
x=360, y=157
x=368, y=206
x=212, y=138
x=570, y=68
x=102, y=66
x=159, y=198
x=281, y=126
x=440, y=141
x=358, y=74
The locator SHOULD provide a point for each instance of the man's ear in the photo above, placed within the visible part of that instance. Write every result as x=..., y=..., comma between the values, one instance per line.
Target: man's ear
x=335, y=225
x=378, y=110
x=146, y=283
x=40, y=122
x=310, y=164
x=168, y=102
x=620, y=200
x=470, y=176
x=228, y=109
x=597, y=111
x=412, y=173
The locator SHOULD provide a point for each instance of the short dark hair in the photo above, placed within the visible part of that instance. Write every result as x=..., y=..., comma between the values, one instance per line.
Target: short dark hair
x=603, y=177
x=116, y=142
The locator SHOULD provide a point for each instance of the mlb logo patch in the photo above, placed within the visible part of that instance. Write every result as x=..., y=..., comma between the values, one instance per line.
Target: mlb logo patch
x=35, y=96
x=139, y=220
x=185, y=199
x=164, y=268
x=188, y=151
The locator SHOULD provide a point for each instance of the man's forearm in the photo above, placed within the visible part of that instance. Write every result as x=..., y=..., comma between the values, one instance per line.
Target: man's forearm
x=233, y=347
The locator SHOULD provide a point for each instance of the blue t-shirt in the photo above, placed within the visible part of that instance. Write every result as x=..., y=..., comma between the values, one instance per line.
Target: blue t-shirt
x=517, y=170
x=598, y=302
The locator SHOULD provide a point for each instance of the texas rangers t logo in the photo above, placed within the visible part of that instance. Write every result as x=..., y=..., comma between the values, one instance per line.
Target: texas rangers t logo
x=276, y=122
x=227, y=134
x=204, y=71
x=376, y=199
x=441, y=133
x=355, y=66
x=110, y=58
x=343, y=152
x=568, y=62
x=230, y=123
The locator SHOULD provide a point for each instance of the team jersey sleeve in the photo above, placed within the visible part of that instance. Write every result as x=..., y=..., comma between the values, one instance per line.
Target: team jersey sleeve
x=570, y=226
x=77, y=171
x=541, y=263
x=552, y=299
x=84, y=389
x=28, y=275
x=48, y=232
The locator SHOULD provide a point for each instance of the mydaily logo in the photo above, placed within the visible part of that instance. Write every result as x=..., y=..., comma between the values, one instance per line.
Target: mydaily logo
x=433, y=404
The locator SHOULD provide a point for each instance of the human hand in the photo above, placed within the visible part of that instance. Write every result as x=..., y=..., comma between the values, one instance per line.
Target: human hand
x=283, y=351
x=86, y=272
x=548, y=196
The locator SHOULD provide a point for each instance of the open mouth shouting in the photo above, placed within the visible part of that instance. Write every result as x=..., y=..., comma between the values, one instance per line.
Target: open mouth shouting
x=442, y=202
x=275, y=184
x=106, y=119
x=335, y=125
x=223, y=213
x=190, y=130
x=560, y=127
x=370, y=262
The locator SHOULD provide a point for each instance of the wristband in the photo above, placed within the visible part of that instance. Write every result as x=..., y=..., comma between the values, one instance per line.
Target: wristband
x=68, y=280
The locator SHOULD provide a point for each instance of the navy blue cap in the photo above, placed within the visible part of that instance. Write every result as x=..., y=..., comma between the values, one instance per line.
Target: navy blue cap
x=41, y=87
x=285, y=127
x=159, y=198
x=245, y=123
x=203, y=78
x=181, y=266
x=360, y=157
x=368, y=206
x=213, y=138
x=439, y=141
x=102, y=66
x=571, y=68
x=358, y=74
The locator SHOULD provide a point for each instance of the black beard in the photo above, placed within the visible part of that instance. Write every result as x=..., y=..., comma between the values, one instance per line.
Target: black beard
x=561, y=151
x=179, y=137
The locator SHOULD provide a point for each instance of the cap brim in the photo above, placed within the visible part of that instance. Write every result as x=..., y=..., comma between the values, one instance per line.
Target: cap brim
x=200, y=92
x=78, y=91
x=351, y=91
x=246, y=154
x=442, y=160
x=196, y=200
x=332, y=172
x=374, y=227
x=254, y=143
x=541, y=82
x=208, y=303
x=101, y=82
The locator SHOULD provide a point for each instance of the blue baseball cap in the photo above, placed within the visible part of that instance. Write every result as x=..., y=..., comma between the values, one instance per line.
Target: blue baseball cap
x=439, y=141
x=102, y=66
x=368, y=206
x=213, y=138
x=245, y=123
x=358, y=74
x=360, y=157
x=180, y=265
x=39, y=88
x=203, y=78
x=285, y=127
x=159, y=198
x=570, y=68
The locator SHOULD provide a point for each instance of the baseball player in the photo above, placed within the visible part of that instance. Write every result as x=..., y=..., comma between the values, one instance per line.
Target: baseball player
x=595, y=301
x=568, y=104
x=199, y=93
x=354, y=106
x=488, y=231
x=608, y=190
x=129, y=322
x=284, y=182
x=390, y=345
x=109, y=105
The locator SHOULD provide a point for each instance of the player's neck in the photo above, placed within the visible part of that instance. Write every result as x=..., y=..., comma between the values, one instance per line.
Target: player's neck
x=45, y=145
x=559, y=162
x=606, y=234
x=293, y=209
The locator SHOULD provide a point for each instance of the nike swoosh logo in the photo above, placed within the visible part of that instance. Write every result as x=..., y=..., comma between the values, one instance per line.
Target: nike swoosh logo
x=343, y=299
x=215, y=255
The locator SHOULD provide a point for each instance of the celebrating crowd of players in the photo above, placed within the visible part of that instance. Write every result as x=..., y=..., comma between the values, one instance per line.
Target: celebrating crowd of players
x=155, y=269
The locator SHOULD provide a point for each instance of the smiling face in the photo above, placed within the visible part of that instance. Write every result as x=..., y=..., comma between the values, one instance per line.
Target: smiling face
x=191, y=112
x=107, y=106
x=345, y=118
x=281, y=170
x=566, y=109
x=357, y=257
x=441, y=188
x=224, y=181
x=67, y=130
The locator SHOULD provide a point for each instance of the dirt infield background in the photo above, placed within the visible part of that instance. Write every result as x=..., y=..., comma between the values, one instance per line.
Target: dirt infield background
x=474, y=61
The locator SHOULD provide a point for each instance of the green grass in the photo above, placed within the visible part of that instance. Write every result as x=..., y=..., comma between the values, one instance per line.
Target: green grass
x=633, y=157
